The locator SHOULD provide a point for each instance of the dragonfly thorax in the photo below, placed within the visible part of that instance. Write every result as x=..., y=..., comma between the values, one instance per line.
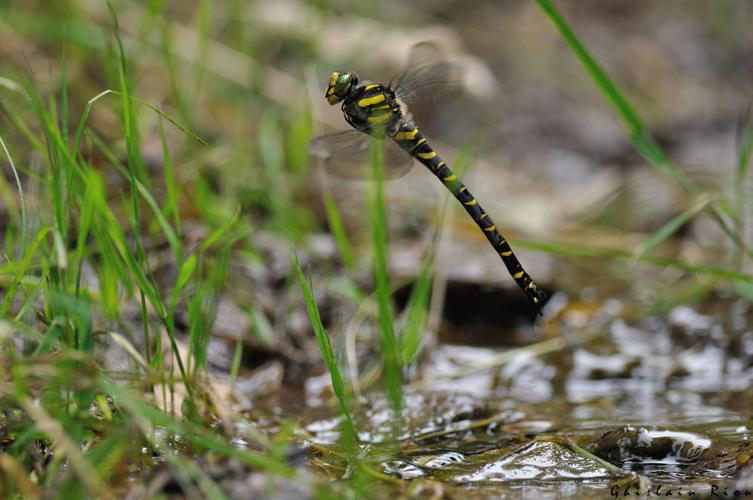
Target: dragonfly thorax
x=373, y=109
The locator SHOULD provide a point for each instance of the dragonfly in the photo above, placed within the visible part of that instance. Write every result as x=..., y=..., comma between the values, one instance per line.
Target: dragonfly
x=376, y=111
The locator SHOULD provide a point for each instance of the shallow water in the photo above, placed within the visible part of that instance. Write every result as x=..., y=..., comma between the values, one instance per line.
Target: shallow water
x=629, y=408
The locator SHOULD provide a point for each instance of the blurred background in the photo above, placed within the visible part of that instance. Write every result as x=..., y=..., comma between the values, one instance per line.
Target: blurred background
x=629, y=255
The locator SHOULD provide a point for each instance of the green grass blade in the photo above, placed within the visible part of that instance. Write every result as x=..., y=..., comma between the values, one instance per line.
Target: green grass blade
x=185, y=273
x=171, y=203
x=21, y=269
x=386, y=319
x=338, y=231
x=173, y=240
x=637, y=132
x=745, y=142
x=61, y=165
x=85, y=117
x=278, y=197
x=261, y=326
x=21, y=201
x=221, y=231
x=204, y=17
x=15, y=119
x=298, y=136
x=182, y=128
x=90, y=104
x=64, y=91
x=742, y=182
x=235, y=366
x=671, y=227
x=584, y=251
x=85, y=221
x=203, y=308
x=417, y=310
x=325, y=347
x=171, y=66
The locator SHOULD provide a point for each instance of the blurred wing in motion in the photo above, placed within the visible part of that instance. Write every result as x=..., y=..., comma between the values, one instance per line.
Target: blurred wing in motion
x=346, y=154
x=428, y=77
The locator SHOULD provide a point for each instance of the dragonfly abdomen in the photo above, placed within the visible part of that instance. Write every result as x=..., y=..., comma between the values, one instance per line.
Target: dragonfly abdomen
x=411, y=140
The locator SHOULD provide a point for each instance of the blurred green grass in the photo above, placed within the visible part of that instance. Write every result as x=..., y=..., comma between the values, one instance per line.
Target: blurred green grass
x=84, y=223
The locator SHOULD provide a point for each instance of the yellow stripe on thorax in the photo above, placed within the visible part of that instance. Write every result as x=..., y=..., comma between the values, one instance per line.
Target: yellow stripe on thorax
x=369, y=101
x=371, y=86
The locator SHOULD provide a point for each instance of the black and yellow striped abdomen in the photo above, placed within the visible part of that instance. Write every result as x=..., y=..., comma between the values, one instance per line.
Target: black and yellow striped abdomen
x=412, y=141
x=374, y=110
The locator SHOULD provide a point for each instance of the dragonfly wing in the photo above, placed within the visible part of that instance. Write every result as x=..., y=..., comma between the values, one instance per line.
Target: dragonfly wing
x=428, y=75
x=396, y=160
x=346, y=154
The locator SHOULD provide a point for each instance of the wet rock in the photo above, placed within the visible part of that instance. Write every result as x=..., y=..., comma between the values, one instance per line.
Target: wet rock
x=540, y=460
x=671, y=454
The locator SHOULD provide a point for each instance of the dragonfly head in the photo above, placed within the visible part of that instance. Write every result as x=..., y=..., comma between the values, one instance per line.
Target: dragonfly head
x=340, y=85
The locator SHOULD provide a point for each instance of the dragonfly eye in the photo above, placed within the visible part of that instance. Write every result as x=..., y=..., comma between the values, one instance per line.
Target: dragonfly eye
x=340, y=85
